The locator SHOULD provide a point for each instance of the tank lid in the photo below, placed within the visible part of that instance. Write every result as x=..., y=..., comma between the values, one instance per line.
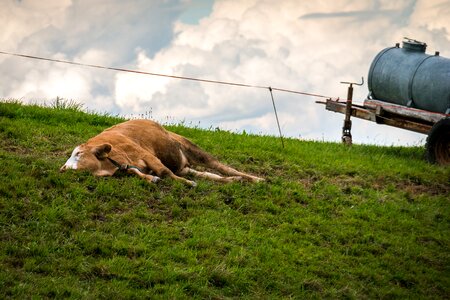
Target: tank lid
x=413, y=45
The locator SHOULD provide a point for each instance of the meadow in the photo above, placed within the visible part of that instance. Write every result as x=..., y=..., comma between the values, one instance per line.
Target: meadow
x=330, y=221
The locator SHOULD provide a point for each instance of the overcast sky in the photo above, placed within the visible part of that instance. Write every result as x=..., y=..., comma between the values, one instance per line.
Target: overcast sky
x=293, y=44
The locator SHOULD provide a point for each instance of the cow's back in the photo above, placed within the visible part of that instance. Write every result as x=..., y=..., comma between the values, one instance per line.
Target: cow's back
x=148, y=135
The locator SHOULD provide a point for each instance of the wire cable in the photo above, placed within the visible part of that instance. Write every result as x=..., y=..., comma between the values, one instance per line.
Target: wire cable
x=164, y=75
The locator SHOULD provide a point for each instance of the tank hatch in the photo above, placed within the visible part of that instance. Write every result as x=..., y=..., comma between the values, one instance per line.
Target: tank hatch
x=414, y=45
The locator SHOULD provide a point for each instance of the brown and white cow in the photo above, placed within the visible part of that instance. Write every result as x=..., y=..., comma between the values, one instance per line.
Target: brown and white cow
x=145, y=148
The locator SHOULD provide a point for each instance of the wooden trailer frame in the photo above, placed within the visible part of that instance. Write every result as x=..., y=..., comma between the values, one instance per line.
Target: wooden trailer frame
x=417, y=120
x=412, y=119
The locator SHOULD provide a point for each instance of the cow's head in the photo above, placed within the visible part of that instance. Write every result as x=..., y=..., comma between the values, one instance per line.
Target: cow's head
x=88, y=157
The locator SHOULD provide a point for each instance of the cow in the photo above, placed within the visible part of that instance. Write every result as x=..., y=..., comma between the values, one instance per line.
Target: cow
x=146, y=149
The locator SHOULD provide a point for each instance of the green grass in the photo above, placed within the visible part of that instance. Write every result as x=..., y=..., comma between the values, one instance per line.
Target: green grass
x=329, y=222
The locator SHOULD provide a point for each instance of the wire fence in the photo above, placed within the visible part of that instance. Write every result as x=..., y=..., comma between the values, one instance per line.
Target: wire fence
x=237, y=84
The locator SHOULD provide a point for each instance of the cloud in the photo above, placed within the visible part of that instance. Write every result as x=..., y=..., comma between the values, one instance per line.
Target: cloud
x=107, y=33
x=298, y=45
x=23, y=19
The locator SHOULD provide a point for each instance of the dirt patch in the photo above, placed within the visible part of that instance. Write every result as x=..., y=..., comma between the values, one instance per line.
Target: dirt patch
x=349, y=183
x=9, y=146
x=417, y=189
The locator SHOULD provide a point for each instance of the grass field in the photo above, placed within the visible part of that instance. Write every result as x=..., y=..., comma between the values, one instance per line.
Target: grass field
x=329, y=222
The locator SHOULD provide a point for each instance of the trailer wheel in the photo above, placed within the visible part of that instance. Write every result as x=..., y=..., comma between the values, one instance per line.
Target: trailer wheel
x=438, y=143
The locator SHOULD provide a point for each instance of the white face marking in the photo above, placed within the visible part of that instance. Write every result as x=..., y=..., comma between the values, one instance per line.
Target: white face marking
x=72, y=162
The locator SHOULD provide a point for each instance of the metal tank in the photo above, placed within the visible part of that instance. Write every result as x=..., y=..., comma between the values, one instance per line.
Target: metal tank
x=409, y=77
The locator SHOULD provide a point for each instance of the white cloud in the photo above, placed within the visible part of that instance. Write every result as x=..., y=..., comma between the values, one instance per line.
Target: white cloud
x=22, y=19
x=105, y=32
x=434, y=15
x=299, y=45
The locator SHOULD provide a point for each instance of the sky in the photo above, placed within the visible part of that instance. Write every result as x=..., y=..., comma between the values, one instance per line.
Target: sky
x=301, y=45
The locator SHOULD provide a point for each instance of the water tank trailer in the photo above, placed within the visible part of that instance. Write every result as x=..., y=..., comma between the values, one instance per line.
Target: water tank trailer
x=408, y=89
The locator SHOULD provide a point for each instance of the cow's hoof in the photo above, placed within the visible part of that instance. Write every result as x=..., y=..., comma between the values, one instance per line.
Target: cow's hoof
x=192, y=183
x=256, y=179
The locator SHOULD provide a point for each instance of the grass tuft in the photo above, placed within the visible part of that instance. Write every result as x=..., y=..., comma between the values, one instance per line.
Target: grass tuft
x=65, y=104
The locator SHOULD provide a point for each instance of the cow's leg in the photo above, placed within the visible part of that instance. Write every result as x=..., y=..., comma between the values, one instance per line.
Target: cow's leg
x=224, y=169
x=196, y=155
x=161, y=170
x=149, y=178
x=209, y=175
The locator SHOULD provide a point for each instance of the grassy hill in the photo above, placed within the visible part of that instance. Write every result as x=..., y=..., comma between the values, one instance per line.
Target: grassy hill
x=329, y=222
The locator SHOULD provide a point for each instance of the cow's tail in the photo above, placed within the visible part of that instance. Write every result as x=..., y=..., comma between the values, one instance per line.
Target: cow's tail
x=195, y=154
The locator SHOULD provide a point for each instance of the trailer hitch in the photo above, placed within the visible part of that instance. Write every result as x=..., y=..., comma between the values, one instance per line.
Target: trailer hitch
x=346, y=129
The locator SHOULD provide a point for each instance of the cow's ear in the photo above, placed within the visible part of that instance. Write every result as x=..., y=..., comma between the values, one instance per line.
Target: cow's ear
x=102, y=151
